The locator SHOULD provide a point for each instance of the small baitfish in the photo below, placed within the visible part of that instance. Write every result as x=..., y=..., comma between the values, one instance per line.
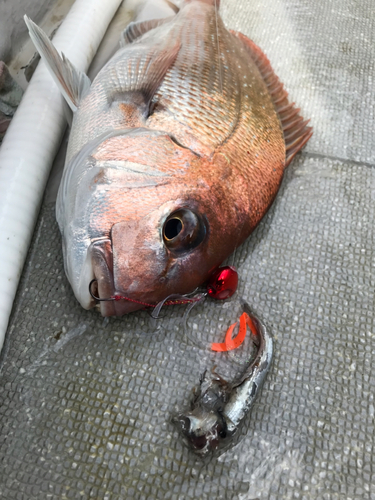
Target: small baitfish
x=219, y=407
x=177, y=150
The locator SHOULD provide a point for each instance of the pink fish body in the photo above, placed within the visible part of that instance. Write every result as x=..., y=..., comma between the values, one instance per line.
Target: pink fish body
x=176, y=152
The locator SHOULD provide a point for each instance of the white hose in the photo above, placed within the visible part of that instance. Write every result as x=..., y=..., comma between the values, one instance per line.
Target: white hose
x=32, y=140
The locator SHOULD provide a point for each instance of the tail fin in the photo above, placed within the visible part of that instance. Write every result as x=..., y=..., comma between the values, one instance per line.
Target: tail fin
x=72, y=83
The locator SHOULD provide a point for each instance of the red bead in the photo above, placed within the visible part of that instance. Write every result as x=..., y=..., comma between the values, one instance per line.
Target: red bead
x=223, y=283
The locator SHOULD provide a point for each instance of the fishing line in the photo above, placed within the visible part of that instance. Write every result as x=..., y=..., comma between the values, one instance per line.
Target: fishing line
x=171, y=300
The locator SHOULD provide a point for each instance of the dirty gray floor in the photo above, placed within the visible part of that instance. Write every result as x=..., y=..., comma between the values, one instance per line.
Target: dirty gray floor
x=85, y=403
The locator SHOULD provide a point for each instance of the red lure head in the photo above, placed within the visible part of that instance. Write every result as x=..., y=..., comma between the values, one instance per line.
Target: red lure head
x=222, y=283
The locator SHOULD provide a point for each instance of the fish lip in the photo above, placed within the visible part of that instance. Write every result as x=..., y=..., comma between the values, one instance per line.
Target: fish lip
x=102, y=263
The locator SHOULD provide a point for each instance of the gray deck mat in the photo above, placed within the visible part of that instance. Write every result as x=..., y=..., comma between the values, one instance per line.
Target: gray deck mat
x=85, y=403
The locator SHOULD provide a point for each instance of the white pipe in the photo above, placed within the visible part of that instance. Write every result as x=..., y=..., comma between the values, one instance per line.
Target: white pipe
x=32, y=140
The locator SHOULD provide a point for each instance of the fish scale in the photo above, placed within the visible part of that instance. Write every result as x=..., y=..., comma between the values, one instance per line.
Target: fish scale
x=204, y=103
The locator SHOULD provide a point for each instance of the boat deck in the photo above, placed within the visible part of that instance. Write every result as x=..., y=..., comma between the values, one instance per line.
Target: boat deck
x=86, y=402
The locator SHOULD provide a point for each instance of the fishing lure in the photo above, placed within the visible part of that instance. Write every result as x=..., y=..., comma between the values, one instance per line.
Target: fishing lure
x=217, y=411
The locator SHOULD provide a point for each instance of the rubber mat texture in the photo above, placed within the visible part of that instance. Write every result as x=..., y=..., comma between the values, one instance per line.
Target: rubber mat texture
x=86, y=402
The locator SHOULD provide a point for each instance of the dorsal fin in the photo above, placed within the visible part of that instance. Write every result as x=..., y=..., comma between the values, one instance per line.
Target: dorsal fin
x=135, y=30
x=72, y=83
x=296, y=131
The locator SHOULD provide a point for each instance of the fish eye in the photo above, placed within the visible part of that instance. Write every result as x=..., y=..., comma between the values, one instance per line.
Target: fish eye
x=172, y=228
x=183, y=230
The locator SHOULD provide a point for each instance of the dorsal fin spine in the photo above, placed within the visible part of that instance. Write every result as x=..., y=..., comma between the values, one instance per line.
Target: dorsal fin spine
x=288, y=116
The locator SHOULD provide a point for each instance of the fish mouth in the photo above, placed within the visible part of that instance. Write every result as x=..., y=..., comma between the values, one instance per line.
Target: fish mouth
x=102, y=287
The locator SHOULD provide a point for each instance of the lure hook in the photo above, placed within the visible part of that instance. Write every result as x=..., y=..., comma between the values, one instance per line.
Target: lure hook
x=94, y=296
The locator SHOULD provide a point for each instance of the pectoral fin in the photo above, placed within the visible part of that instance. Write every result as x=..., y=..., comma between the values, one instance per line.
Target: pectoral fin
x=138, y=78
x=156, y=64
x=72, y=83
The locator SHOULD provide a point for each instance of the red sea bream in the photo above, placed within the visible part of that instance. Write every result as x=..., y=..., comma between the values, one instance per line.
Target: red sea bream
x=177, y=150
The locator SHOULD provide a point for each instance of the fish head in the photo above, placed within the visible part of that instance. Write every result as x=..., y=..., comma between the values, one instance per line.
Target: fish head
x=147, y=258
x=147, y=222
x=203, y=431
